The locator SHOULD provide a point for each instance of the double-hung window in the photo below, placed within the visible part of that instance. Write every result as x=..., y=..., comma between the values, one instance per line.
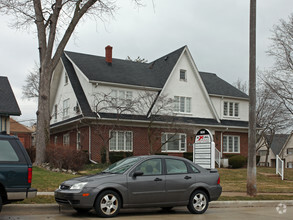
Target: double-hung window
x=183, y=75
x=231, y=109
x=231, y=144
x=182, y=104
x=66, y=139
x=173, y=142
x=65, y=108
x=121, y=97
x=121, y=141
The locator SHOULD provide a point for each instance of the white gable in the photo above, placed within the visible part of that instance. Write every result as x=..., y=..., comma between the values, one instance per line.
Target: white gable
x=61, y=91
x=192, y=87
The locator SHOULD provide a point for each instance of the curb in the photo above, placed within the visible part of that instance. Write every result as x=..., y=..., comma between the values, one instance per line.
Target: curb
x=249, y=203
x=55, y=208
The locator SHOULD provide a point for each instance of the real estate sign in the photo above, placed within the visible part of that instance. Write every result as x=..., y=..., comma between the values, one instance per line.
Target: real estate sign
x=204, y=149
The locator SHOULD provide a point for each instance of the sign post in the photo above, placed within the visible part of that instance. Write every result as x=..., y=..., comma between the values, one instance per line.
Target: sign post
x=204, y=149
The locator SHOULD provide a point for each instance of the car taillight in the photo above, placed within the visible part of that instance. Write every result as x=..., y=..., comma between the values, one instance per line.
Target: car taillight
x=218, y=181
x=29, y=175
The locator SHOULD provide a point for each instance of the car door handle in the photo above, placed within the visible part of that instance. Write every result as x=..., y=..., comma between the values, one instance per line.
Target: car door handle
x=158, y=179
x=187, y=177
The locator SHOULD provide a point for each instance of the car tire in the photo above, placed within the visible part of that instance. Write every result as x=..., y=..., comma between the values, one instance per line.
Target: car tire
x=166, y=209
x=198, y=202
x=81, y=210
x=108, y=204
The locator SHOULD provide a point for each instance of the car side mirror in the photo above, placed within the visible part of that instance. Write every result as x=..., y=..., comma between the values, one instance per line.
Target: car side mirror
x=137, y=173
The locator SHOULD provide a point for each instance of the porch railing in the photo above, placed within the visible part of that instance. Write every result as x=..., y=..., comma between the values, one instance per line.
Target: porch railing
x=280, y=166
x=218, y=157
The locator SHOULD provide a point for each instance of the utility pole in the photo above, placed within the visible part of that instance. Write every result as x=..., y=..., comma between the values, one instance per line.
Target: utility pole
x=251, y=164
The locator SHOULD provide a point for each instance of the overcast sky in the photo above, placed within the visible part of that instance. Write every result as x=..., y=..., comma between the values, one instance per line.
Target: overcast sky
x=215, y=31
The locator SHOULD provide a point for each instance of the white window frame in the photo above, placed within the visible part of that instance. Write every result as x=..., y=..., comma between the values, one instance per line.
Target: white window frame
x=227, y=149
x=55, y=112
x=66, y=79
x=66, y=105
x=289, y=151
x=114, y=145
x=78, y=140
x=182, y=71
x=182, y=145
x=181, y=105
x=231, y=109
x=121, y=97
x=55, y=140
x=66, y=139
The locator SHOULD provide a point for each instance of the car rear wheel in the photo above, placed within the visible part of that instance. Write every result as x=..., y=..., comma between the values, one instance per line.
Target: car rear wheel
x=108, y=204
x=198, y=202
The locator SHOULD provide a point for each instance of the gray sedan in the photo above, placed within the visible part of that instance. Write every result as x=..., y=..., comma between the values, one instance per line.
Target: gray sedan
x=143, y=181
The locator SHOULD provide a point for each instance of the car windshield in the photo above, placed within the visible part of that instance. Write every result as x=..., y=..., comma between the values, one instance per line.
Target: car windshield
x=122, y=165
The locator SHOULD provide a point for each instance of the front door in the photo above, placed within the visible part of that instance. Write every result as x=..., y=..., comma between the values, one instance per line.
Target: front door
x=149, y=188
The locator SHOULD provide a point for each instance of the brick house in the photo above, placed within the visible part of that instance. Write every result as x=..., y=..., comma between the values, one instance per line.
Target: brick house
x=22, y=132
x=8, y=105
x=105, y=103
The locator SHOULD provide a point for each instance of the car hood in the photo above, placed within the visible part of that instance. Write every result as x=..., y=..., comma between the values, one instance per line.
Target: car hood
x=89, y=178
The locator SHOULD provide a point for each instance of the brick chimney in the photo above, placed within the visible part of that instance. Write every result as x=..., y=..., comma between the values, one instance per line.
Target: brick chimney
x=109, y=54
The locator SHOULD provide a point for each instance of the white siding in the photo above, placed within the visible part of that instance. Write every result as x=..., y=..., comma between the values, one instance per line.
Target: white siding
x=218, y=103
x=189, y=88
x=63, y=91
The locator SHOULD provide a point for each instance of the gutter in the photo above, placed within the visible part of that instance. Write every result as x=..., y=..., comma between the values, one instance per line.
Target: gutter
x=90, y=146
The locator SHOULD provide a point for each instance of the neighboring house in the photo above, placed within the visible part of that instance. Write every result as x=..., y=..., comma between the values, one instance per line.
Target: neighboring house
x=282, y=145
x=22, y=132
x=8, y=105
x=99, y=102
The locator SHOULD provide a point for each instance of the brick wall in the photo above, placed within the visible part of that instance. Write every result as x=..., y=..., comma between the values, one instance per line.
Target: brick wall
x=141, y=145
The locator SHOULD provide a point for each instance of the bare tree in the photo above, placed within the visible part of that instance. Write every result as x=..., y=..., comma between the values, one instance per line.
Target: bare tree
x=272, y=116
x=31, y=87
x=251, y=163
x=138, y=59
x=111, y=103
x=160, y=108
x=241, y=85
x=280, y=78
x=52, y=19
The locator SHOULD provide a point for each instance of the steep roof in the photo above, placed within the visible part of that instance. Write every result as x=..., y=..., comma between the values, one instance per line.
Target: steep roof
x=8, y=103
x=127, y=72
x=278, y=142
x=18, y=127
x=218, y=86
x=153, y=74
x=78, y=90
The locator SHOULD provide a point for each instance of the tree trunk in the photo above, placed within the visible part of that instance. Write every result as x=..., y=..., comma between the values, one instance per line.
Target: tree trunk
x=43, y=116
x=251, y=164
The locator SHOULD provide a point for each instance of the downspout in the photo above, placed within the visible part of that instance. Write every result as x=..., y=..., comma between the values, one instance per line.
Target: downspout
x=90, y=146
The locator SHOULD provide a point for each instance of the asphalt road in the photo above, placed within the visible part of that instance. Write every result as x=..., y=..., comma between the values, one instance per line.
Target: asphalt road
x=251, y=213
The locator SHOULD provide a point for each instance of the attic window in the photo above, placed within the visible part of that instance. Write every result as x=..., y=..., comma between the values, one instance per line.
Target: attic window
x=66, y=79
x=183, y=75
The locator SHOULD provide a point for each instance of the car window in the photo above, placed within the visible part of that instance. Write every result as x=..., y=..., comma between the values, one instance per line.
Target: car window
x=175, y=166
x=7, y=152
x=194, y=169
x=150, y=167
x=122, y=165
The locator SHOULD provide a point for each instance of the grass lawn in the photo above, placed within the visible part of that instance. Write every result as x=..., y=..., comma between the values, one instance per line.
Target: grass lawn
x=232, y=180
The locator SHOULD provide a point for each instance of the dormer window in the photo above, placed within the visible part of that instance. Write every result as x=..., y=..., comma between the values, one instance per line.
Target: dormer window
x=231, y=109
x=183, y=75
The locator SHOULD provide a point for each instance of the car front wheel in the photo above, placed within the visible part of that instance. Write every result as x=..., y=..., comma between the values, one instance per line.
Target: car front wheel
x=108, y=204
x=198, y=202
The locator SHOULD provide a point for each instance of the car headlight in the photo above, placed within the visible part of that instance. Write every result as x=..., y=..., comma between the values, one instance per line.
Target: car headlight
x=78, y=185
